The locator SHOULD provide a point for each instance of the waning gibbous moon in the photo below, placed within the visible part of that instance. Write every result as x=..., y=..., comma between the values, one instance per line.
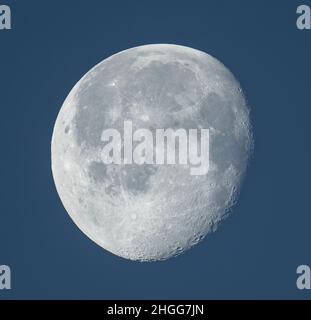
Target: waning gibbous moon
x=151, y=212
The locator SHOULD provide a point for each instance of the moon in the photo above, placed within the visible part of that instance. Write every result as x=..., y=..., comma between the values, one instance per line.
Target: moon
x=151, y=212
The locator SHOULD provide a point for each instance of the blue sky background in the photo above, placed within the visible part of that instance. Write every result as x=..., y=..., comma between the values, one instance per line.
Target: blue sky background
x=255, y=252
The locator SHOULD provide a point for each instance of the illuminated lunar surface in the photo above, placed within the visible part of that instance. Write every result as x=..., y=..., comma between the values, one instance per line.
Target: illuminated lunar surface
x=151, y=212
